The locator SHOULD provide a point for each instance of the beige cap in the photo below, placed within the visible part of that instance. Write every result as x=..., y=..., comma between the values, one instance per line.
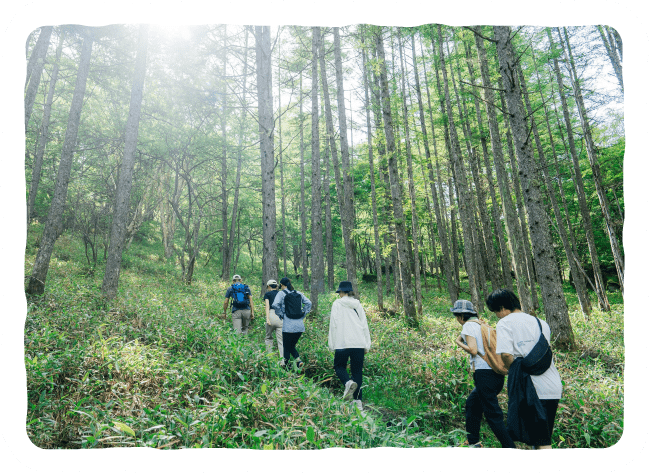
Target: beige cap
x=271, y=282
x=236, y=277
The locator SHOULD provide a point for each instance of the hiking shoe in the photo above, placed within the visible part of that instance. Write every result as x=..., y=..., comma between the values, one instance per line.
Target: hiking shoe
x=350, y=387
x=299, y=365
x=475, y=445
x=358, y=403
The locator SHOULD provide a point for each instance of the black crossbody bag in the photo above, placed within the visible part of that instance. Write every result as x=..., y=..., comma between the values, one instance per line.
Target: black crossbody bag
x=539, y=359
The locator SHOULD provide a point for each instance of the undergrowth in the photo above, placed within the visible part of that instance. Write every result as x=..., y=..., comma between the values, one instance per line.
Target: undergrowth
x=159, y=367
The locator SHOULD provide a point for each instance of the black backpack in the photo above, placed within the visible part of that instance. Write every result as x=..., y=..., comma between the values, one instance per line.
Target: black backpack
x=293, y=305
x=239, y=299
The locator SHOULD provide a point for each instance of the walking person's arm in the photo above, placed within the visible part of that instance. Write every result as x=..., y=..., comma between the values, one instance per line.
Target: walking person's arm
x=252, y=307
x=471, y=346
x=307, y=304
x=507, y=359
x=225, y=308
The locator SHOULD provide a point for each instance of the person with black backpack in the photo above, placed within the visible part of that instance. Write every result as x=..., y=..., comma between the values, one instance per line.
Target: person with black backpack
x=242, y=306
x=533, y=383
x=291, y=306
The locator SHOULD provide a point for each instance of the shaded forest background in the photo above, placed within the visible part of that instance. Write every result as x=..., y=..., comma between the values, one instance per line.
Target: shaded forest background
x=423, y=164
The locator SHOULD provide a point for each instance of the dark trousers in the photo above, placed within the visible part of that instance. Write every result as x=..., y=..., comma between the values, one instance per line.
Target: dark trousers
x=484, y=400
x=356, y=357
x=290, y=340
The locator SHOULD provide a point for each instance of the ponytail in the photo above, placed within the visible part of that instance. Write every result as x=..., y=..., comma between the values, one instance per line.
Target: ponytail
x=287, y=282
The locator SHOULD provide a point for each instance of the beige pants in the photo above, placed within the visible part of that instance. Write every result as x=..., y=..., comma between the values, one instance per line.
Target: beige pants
x=241, y=321
x=274, y=324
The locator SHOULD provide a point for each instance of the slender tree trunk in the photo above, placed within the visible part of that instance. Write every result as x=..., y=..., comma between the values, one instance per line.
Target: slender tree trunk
x=347, y=200
x=123, y=197
x=395, y=189
x=512, y=225
x=554, y=301
x=237, y=182
x=303, y=213
x=225, y=247
x=266, y=125
x=464, y=201
x=328, y=229
x=317, y=253
x=612, y=55
x=594, y=164
x=35, y=70
x=375, y=219
x=411, y=186
x=53, y=224
x=579, y=186
x=43, y=138
x=281, y=160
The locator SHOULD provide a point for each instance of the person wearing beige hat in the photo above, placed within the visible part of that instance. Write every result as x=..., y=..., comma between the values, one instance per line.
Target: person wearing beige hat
x=273, y=322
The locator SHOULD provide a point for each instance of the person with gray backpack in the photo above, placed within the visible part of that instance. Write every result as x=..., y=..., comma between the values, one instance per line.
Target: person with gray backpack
x=291, y=307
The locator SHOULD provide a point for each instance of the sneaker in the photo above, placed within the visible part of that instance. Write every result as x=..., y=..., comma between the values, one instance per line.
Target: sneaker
x=475, y=445
x=299, y=365
x=350, y=387
x=358, y=403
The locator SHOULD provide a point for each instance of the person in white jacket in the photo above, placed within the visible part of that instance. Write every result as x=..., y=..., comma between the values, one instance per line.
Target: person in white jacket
x=349, y=338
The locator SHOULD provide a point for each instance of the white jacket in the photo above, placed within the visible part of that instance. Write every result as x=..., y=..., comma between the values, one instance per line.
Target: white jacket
x=348, y=327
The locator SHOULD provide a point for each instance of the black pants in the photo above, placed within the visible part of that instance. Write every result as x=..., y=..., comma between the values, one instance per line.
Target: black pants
x=544, y=433
x=290, y=340
x=356, y=357
x=484, y=400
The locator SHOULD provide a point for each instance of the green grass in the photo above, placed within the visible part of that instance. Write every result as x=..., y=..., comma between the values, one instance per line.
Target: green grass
x=157, y=367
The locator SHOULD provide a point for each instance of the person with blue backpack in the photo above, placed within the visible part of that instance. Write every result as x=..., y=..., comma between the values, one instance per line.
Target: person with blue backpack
x=242, y=306
x=291, y=307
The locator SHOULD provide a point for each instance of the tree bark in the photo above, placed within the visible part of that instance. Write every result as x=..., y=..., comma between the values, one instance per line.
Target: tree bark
x=347, y=201
x=600, y=289
x=395, y=189
x=612, y=55
x=36, y=284
x=554, y=301
x=43, y=138
x=35, y=70
x=125, y=183
x=317, y=253
x=303, y=213
x=225, y=246
x=266, y=134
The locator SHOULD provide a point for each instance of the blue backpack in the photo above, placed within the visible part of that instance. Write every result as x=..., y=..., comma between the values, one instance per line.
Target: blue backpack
x=239, y=299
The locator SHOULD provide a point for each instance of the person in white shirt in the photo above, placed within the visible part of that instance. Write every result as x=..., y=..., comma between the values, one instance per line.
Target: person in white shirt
x=517, y=334
x=483, y=400
x=349, y=338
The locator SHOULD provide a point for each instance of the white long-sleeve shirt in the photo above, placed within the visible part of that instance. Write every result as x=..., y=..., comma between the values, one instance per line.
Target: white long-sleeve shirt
x=348, y=327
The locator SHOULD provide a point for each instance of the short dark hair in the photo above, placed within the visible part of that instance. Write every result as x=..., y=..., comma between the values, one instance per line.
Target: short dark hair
x=503, y=299
x=465, y=315
x=350, y=293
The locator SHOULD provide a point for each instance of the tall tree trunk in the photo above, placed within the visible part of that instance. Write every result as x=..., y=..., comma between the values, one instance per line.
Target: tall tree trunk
x=411, y=186
x=375, y=219
x=512, y=225
x=303, y=213
x=237, y=182
x=347, y=206
x=281, y=159
x=123, y=197
x=612, y=55
x=43, y=138
x=36, y=284
x=464, y=200
x=317, y=253
x=600, y=289
x=267, y=151
x=35, y=70
x=554, y=301
x=225, y=247
x=328, y=229
x=395, y=189
x=594, y=164
x=580, y=284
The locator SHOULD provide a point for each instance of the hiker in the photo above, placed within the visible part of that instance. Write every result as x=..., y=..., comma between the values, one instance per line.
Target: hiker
x=291, y=307
x=349, y=339
x=533, y=384
x=488, y=383
x=273, y=322
x=242, y=306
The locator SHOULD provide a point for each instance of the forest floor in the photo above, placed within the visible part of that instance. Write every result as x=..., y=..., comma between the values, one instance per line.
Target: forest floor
x=159, y=367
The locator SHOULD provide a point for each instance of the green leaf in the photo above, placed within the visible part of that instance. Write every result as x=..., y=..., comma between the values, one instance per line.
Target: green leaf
x=263, y=388
x=259, y=433
x=124, y=428
x=310, y=434
x=410, y=419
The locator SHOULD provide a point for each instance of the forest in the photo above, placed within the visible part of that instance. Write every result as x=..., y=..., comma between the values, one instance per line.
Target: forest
x=422, y=164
